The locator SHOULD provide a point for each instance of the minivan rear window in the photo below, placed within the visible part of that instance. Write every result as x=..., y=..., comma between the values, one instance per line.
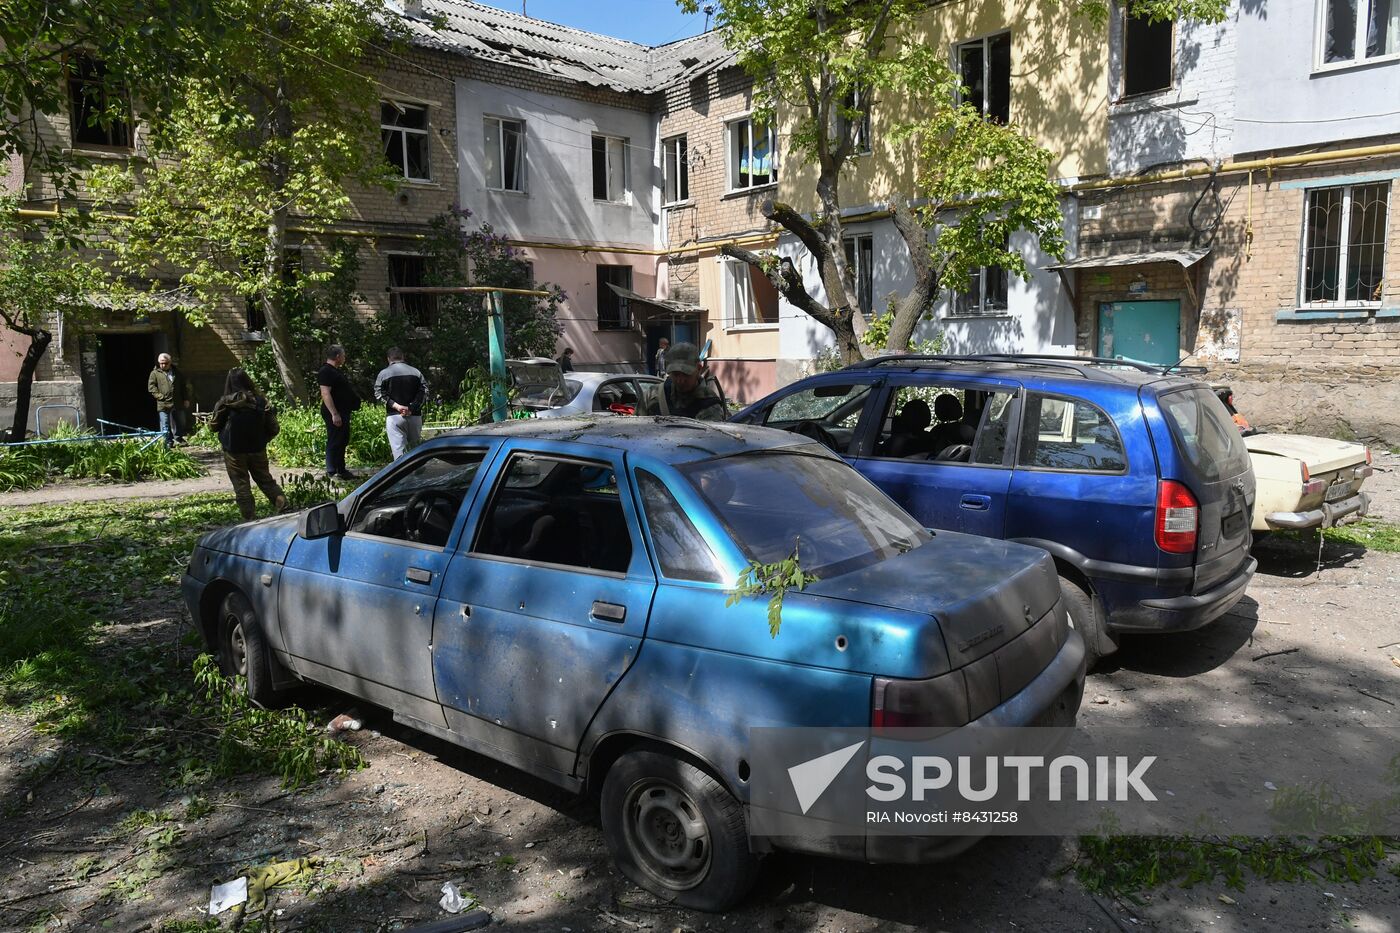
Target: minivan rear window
x=1205, y=434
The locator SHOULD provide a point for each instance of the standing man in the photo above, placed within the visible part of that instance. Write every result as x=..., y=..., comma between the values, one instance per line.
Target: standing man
x=688, y=392
x=660, y=360
x=167, y=387
x=566, y=360
x=403, y=390
x=338, y=401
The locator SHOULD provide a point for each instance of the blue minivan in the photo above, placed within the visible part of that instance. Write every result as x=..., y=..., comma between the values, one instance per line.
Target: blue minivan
x=1133, y=478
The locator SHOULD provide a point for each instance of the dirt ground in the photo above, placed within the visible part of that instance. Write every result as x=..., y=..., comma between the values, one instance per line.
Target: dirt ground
x=424, y=813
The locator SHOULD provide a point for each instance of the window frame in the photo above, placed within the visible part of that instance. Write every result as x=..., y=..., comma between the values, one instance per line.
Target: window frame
x=640, y=478
x=731, y=125
x=521, y=163
x=981, y=310
x=1341, y=302
x=681, y=145
x=624, y=193
x=1023, y=417
x=750, y=322
x=625, y=321
x=73, y=80
x=1358, y=57
x=862, y=143
x=864, y=269
x=633, y=522
x=396, y=300
x=404, y=132
x=882, y=412
x=985, y=42
x=1123, y=93
x=408, y=466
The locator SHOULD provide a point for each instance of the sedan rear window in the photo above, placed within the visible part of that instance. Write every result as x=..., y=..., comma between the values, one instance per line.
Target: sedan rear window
x=1205, y=433
x=773, y=503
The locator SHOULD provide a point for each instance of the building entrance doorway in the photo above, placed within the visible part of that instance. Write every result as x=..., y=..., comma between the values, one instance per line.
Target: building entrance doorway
x=124, y=361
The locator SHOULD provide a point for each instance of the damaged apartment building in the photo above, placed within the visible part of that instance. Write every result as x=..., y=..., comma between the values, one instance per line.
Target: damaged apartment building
x=1226, y=191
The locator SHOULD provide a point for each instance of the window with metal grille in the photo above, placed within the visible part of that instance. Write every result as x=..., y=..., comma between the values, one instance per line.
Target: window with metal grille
x=985, y=68
x=1147, y=54
x=609, y=168
x=407, y=270
x=99, y=115
x=1344, y=245
x=403, y=128
x=614, y=311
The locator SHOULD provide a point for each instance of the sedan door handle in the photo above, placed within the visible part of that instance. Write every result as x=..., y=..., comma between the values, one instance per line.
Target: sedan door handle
x=419, y=575
x=608, y=612
x=976, y=503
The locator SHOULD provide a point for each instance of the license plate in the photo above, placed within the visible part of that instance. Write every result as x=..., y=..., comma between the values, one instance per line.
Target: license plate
x=1337, y=491
x=1232, y=524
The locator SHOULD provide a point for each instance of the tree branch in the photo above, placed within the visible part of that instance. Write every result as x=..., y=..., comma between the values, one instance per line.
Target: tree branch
x=787, y=280
x=789, y=219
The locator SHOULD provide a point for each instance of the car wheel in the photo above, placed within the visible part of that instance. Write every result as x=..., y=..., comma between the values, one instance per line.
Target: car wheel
x=243, y=649
x=1086, y=617
x=676, y=831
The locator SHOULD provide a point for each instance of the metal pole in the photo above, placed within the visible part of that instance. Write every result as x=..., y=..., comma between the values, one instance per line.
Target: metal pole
x=495, y=303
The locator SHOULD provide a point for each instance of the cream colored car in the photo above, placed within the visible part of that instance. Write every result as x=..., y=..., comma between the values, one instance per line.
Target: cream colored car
x=1302, y=481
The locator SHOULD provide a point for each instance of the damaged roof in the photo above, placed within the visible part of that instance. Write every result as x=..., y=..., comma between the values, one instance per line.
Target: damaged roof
x=487, y=33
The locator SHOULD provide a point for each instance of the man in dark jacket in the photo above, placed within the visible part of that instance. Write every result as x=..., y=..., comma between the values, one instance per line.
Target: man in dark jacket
x=338, y=401
x=245, y=423
x=403, y=390
x=167, y=387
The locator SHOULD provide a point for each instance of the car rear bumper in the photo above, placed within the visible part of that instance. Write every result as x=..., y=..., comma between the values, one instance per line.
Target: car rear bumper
x=1331, y=514
x=1051, y=699
x=1184, y=613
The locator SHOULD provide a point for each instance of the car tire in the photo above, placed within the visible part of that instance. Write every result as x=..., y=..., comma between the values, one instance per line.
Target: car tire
x=243, y=650
x=1086, y=617
x=647, y=799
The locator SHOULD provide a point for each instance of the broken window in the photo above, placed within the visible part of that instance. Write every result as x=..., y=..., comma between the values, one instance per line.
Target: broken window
x=406, y=270
x=403, y=128
x=609, y=168
x=1344, y=245
x=985, y=68
x=505, y=154
x=749, y=297
x=753, y=155
x=420, y=504
x=676, y=169
x=1147, y=55
x=857, y=102
x=1355, y=30
x=100, y=115
x=860, y=259
x=614, y=311
x=551, y=510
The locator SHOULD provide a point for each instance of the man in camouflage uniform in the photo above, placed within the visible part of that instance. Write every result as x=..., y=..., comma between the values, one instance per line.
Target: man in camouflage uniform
x=688, y=391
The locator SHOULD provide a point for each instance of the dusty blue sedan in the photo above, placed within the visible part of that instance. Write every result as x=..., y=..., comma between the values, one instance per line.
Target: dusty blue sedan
x=553, y=594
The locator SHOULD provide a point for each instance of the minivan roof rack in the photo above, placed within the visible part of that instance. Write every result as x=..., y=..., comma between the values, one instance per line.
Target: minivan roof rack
x=1079, y=364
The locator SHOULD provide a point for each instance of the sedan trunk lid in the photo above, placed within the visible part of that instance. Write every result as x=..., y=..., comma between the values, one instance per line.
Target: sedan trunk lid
x=1321, y=454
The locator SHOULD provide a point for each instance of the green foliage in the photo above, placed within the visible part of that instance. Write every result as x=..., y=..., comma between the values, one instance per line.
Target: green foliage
x=125, y=460
x=772, y=580
x=252, y=739
x=69, y=573
x=877, y=335
x=302, y=440
x=304, y=490
x=1126, y=864
x=1372, y=534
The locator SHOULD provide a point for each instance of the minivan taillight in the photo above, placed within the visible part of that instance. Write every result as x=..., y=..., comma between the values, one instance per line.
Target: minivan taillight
x=1178, y=517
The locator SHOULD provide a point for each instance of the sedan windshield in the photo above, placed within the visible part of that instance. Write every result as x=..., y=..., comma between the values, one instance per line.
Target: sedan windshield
x=776, y=502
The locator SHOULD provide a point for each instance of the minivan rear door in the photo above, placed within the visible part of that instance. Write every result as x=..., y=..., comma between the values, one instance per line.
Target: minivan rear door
x=1214, y=463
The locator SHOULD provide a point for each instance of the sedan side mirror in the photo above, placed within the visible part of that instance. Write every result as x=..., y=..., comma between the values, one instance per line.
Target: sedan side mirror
x=321, y=521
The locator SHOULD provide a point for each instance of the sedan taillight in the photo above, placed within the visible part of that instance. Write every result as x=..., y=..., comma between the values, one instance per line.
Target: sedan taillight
x=1311, y=487
x=1178, y=516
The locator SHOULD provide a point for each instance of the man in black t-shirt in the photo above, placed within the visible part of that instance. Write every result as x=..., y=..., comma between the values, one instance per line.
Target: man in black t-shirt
x=338, y=400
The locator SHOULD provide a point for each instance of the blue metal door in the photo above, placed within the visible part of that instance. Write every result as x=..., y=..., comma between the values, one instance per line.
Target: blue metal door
x=1146, y=331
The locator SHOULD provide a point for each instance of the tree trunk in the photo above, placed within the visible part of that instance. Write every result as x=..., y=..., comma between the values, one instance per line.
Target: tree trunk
x=279, y=334
x=836, y=277
x=39, y=340
x=912, y=307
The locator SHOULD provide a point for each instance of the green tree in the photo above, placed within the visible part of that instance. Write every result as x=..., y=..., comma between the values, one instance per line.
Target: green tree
x=44, y=272
x=276, y=118
x=819, y=67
